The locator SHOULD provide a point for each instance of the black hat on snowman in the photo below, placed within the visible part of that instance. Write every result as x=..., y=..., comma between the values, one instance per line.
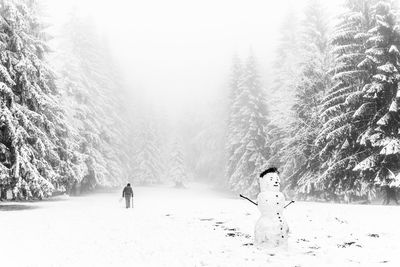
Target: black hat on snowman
x=269, y=170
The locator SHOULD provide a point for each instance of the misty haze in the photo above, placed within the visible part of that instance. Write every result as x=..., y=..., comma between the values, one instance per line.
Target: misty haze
x=199, y=133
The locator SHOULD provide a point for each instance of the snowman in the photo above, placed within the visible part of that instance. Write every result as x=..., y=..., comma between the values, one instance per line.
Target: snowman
x=271, y=229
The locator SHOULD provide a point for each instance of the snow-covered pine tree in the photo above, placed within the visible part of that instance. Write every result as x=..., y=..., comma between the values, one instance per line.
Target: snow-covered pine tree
x=148, y=163
x=337, y=139
x=209, y=146
x=253, y=122
x=234, y=133
x=281, y=93
x=382, y=101
x=93, y=96
x=34, y=149
x=300, y=154
x=177, y=166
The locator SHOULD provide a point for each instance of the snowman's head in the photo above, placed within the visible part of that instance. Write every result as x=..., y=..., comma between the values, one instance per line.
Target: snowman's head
x=269, y=180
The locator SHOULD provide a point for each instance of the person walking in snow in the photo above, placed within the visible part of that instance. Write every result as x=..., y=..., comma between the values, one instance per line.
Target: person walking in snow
x=128, y=194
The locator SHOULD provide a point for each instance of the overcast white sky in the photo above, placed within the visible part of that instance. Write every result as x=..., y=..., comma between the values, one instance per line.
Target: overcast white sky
x=179, y=51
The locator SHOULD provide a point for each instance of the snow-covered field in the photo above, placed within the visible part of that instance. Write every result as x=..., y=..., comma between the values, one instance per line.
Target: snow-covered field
x=191, y=227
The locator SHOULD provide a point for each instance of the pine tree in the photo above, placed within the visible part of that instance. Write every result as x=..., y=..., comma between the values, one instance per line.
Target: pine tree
x=35, y=157
x=209, y=144
x=281, y=93
x=337, y=139
x=382, y=99
x=252, y=117
x=300, y=154
x=234, y=134
x=93, y=97
x=177, y=168
x=148, y=165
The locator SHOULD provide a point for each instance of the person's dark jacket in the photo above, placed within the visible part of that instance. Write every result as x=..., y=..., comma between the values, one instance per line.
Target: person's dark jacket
x=127, y=192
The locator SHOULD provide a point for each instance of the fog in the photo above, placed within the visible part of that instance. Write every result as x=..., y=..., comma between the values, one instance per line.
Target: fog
x=174, y=63
x=177, y=54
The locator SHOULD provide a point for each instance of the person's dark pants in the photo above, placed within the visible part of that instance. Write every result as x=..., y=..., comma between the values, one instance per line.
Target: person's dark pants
x=128, y=201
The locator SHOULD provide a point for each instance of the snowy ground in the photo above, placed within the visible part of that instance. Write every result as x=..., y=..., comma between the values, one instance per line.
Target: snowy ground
x=191, y=227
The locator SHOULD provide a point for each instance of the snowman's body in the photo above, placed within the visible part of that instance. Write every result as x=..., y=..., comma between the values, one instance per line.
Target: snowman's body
x=271, y=229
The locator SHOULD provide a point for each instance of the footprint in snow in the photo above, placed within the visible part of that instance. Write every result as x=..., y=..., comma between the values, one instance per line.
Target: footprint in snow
x=373, y=235
x=219, y=224
x=206, y=219
x=339, y=220
x=302, y=240
x=348, y=244
x=242, y=234
x=310, y=253
x=235, y=232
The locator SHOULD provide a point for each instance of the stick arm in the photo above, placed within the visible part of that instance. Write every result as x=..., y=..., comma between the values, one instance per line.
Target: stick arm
x=291, y=202
x=248, y=199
